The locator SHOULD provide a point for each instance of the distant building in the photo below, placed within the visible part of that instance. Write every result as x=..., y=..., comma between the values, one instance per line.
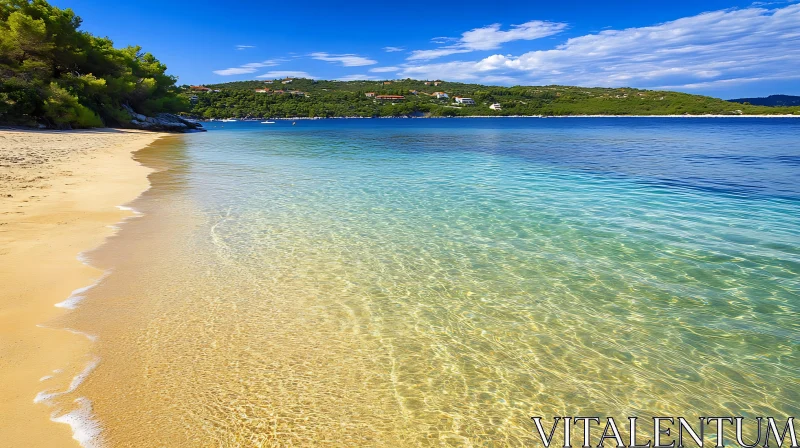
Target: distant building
x=296, y=92
x=279, y=92
x=440, y=95
x=496, y=106
x=413, y=92
x=370, y=94
x=193, y=99
x=268, y=82
x=287, y=81
x=467, y=101
x=390, y=97
x=200, y=88
x=262, y=90
x=427, y=83
x=386, y=83
x=436, y=83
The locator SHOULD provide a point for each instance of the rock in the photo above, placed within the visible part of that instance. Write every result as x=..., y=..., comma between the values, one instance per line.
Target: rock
x=162, y=122
x=140, y=124
x=133, y=114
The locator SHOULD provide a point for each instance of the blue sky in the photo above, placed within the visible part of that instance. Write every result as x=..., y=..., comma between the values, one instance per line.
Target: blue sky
x=720, y=48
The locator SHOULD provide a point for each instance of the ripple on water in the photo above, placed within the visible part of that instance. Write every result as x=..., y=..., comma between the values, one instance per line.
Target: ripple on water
x=438, y=284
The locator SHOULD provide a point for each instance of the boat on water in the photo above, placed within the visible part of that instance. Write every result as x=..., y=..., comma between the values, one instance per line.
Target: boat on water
x=228, y=120
x=267, y=122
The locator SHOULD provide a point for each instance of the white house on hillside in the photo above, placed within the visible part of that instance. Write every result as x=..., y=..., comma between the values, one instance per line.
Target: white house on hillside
x=496, y=106
x=440, y=95
x=467, y=101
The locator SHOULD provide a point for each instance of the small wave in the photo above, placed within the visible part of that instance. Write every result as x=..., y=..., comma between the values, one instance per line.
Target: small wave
x=85, y=429
x=88, y=336
x=45, y=396
x=83, y=258
x=130, y=209
x=77, y=295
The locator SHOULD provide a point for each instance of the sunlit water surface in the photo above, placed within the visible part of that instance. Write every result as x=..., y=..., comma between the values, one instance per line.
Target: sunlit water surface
x=438, y=282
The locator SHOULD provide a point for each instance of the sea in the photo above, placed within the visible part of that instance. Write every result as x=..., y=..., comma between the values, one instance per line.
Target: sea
x=438, y=282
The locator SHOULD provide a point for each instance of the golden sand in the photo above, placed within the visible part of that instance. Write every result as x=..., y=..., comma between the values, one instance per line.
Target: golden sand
x=58, y=197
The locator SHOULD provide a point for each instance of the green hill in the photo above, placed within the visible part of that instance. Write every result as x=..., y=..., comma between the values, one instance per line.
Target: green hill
x=312, y=98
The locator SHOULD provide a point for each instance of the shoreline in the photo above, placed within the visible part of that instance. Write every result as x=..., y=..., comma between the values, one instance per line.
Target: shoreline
x=218, y=120
x=61, y=195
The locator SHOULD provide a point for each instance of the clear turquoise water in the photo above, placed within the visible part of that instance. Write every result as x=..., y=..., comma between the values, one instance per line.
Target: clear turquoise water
x=438, y=282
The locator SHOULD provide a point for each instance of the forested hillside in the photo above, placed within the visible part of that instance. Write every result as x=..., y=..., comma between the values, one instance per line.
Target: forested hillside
x=311, y=98
x=53, y=74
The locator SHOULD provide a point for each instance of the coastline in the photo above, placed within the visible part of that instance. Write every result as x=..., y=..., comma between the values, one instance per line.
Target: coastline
x=506, y=116
x=61, y=192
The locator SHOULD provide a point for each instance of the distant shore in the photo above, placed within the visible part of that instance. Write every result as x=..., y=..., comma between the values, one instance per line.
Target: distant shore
x=508, y=116
x=59, y=196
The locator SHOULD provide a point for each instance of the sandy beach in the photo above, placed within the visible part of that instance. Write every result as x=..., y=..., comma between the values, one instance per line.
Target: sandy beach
x=59, y=193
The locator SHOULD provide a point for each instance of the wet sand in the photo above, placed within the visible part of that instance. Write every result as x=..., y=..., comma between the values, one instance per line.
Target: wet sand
x=59, y=193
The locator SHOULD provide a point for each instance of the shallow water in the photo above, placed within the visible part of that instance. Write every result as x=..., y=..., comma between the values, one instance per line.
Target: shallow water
x=439, y=282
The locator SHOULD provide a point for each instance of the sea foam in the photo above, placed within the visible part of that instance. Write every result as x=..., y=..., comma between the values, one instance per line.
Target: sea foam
x=85, y=429
x=46, y=396
x=77, y=295
x=129, y=209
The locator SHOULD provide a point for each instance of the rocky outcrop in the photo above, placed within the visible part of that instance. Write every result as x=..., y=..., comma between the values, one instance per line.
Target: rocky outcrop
x=162, y=122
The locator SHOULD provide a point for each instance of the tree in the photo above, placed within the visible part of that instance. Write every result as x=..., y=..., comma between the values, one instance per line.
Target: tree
x=50, y=72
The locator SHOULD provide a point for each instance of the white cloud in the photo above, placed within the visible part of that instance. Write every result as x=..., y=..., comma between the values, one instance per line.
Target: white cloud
x=777, y=2
x=710, y=49
x=489, y=38
x=249, y=68
x=356, y=78
x=417, y=55
x=729, y=82
x=244, y=47
x=444, y=40
x=347, y=60
x=451, y=71
x=267, y=63
x=278, y=74
x=384, y=69
x=393, y=49
x=234, y=71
